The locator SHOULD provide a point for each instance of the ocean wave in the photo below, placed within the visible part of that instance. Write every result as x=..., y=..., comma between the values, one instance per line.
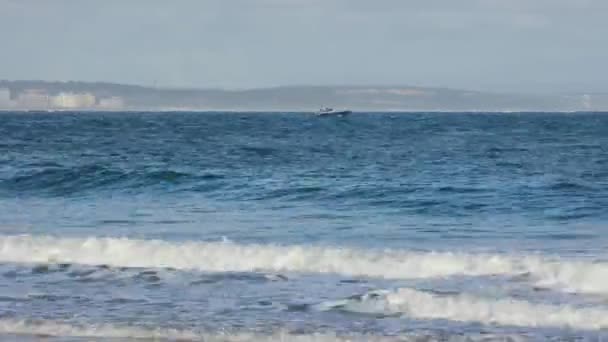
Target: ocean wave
x=292, y=193
x=71, y=180
x=49, y=328
x=460, y=189
x=466, y=308
x=62, y=180
x=570, y=185
x=106, y=273
x=261, y=151
x=555, y=273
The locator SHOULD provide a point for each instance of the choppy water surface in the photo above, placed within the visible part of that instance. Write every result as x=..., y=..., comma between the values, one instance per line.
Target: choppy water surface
x=267, y=226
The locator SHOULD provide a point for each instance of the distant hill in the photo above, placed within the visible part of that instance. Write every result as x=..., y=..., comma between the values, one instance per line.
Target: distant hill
x=309, y=98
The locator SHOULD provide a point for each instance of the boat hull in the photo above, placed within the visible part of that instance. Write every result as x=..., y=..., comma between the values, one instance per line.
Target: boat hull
x=335, y=113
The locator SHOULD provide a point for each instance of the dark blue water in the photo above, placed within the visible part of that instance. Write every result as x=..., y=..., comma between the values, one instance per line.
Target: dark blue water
x=269, y=224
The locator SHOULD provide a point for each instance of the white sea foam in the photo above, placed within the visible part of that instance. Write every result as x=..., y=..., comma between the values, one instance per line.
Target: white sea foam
x=108, y=331
x=568, y=275
x=467, y=308
x=59, y=329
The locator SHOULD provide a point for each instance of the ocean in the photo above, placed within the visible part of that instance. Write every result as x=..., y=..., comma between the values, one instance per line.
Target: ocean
x=290, y=227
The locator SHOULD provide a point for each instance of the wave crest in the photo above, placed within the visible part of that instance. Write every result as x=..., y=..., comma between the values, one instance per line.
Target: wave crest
x=467, y=308
x=565, y=275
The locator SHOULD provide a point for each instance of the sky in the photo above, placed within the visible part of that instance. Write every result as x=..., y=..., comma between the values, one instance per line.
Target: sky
x=488, y=45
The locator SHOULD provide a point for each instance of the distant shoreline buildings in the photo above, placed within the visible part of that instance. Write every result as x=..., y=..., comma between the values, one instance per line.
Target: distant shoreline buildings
x=5, y=98
x=40, y=99
x=98, y=96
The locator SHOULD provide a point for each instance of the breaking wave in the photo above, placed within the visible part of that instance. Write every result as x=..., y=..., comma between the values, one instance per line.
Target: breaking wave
x=466, y=308
x=554, y=273
x=59, y=329
x=47, y=328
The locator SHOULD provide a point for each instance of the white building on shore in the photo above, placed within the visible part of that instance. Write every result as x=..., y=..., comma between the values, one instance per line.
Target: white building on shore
x=5, y=98
x=73, y=100
x=33, y=99
x=111, y=103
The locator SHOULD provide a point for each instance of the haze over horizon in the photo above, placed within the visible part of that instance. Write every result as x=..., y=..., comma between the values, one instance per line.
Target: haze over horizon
x=486, y=45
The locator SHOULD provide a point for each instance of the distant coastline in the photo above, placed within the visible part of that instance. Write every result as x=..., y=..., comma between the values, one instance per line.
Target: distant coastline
x=109, y=97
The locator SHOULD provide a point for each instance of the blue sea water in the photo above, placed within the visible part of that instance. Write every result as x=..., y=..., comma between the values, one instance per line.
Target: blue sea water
x=291, y=227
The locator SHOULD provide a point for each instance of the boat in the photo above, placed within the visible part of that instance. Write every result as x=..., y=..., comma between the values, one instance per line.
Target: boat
x=326, y=111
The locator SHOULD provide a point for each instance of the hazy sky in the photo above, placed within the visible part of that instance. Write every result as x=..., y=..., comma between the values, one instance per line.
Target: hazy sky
x=542, y=45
